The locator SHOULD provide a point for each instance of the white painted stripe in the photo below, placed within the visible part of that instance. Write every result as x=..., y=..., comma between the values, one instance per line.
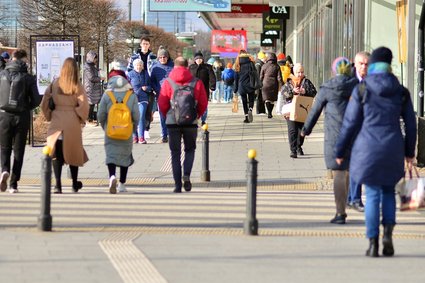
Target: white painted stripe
x=132, y=265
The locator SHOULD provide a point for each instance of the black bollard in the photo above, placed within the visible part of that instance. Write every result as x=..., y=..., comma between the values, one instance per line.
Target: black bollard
x=45, y=219
x=251, y=223
x=205, y=173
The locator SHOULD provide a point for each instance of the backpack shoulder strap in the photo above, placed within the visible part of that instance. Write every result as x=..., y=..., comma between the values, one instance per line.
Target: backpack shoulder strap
x=111, y=96
x=172, y=83
x=127, y=96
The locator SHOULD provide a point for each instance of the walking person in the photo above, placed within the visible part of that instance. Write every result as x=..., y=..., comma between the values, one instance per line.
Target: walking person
x=333, y=98
x=261, y=59
x=140, y=81
x=118, y=152
x=228, y=77
x=4, y=58
x=205, y=73
x=181, y=76
x=354, y=199
x=243, y=68
x=66, y=107
x=271, y=77
x=297, y=84
x=372, y=120
x=92, y=84
x=218, y=70
x=160, y=71
x=15, y=117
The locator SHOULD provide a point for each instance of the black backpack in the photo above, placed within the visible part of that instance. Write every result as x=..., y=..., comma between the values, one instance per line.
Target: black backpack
x=183, y=102
x=13, y=96
x=254, y=79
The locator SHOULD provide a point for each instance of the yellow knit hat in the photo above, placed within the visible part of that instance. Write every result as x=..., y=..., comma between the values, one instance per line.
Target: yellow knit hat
x=261, y=55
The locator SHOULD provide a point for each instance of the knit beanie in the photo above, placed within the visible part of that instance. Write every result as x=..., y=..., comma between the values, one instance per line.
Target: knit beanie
x=198, y=55
x=229, y=65
x=163, y=52
x=281, y=57
x=381, y=54
x=5, y=55
x=341, y=66
x=261, y=55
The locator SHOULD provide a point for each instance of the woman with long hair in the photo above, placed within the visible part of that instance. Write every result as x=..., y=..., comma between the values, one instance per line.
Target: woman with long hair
x=65, y=105
x=243, y=67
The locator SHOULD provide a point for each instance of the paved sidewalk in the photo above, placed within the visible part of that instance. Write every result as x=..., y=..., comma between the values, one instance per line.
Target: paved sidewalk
x=152, y=235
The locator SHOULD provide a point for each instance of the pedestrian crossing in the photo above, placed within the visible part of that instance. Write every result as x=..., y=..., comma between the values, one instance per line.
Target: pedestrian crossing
x=205, y=210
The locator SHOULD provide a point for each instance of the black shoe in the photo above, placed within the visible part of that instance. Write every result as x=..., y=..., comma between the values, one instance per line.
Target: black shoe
x=177, y=190
x=246, y=120
x=57, y=190
x=203, y=123
x=373, y=247
x=339, y=219
x=300, y=151
x=187, y=185
x=293, y=155
x=270, y=116
x=77, y=186
x=358, y=206
x=164, y=140
x=387, y=241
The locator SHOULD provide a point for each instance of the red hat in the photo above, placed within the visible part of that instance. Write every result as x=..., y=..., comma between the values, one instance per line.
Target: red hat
x=281, y=56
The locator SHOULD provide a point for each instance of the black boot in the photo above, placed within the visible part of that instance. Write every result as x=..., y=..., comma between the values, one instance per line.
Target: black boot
x=373, y=247
x=387, y=240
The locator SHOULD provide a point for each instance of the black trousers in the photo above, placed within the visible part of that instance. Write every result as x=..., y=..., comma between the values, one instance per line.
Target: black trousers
x=261, y=109
x=294, y=135
x=247, y=101
x=58, y=161
x=123, y=172
x=14, y=134
x=148, y=113
x=92, y=112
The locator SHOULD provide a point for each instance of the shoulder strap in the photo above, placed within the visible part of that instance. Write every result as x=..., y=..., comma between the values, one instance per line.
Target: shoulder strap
x=111, y=96
x=127, y=96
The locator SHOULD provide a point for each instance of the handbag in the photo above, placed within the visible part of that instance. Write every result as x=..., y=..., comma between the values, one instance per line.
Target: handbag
x=411, y=192
x=235, y=104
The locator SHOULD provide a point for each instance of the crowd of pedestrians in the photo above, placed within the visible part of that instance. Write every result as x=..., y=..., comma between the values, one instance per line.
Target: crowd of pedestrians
x=362, y=102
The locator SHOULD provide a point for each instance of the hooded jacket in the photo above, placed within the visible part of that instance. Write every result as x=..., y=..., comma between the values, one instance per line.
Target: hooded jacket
x=333, y=97
x=205, y=73
x=242, y=83
x=271, y=77
x=92, y=82
x=377, y=156
x=138, y=80
x=159, y=73
x=181, y=76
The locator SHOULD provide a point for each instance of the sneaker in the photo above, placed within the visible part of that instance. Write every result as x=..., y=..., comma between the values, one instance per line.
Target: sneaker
x=300, y=151
x=147, y=136
x=164, y=140
x=3, y=181
x=187, y=184
x=122, y=188
x=250, y=117
x=113, y=185
x=135, y=140
x=293, y=155
x=57, y=190
x=142, y=141
x=246, y=120
x=339, y=219
x=357, y=206
x=13, y=190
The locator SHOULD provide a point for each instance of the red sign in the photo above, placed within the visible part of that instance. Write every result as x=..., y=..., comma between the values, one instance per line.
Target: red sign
x=244, y=10
x=228, y=41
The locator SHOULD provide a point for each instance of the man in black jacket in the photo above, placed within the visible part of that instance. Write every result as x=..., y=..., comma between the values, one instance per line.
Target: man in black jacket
x=15, y=125
x=205, y=73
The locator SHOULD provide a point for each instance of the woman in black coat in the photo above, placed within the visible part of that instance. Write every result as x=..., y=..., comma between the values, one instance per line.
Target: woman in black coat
x=334, y=96
x=243, y=67
x=271, y=77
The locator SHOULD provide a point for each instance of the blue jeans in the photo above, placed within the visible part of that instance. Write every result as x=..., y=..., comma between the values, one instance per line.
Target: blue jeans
x=204, y=116
x=379, y=198
x=189, y=135
x=218, y=91
x=141, y=126
x=228, y=93
x=354, y=192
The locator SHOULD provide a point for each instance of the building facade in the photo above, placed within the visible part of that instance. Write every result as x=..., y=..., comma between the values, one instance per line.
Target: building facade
x=9, y=24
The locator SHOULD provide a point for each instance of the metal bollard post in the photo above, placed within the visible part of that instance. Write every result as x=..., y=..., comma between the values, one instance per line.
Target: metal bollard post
x=251, y=223
x=205, y=173
x=45, y=219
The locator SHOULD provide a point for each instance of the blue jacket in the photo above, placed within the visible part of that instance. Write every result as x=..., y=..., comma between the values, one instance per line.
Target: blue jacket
x=147, y=58
x=138, y=80
x=333, y=97
x=159, y=73
x=228, y=74
x=377, y=156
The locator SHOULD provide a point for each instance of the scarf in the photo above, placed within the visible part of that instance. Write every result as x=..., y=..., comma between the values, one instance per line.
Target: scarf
x=296, y=81
x=379, y=68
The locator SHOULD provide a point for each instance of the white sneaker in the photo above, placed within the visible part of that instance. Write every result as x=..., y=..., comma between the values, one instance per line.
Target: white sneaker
x=122, y=188
x=13, y=191
x=250, y=117
x=147, y=136
x=113, y=185
x=3, y=181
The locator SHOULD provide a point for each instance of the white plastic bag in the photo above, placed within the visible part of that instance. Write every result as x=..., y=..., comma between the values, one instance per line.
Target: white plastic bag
x=411, y=192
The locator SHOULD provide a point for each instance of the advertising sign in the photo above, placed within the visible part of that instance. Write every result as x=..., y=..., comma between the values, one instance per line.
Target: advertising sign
x=228, y=41
x=190, y=5
x=50, y=57
x=272, y=33
x=279, y=12
x=270, y=23
x=266, y=41
x=245, y=11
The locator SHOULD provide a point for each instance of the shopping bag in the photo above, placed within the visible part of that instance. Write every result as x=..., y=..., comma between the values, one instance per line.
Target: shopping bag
x=235, y=105
x=411, y=191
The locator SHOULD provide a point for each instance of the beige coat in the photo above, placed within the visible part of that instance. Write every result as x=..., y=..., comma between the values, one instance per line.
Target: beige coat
x=70, y=112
